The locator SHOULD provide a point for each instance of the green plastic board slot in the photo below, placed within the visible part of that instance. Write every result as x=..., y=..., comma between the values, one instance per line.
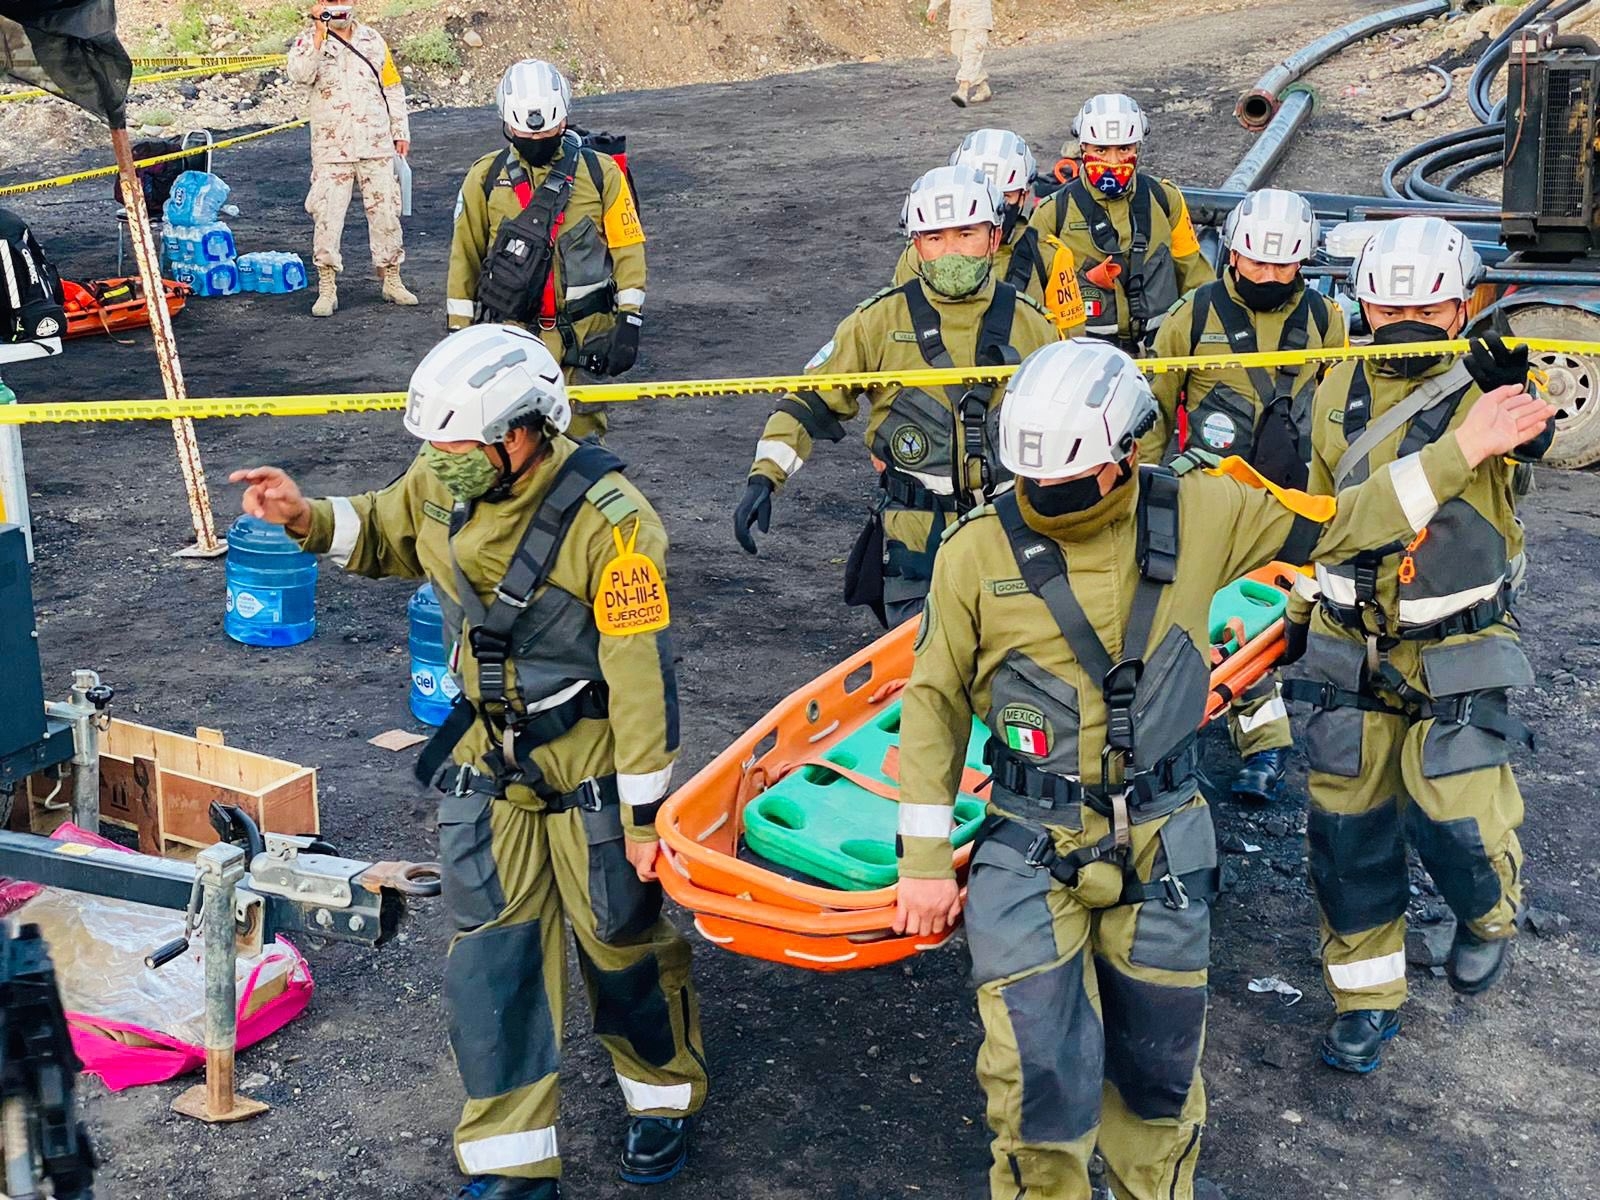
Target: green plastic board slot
x=818, y=822
x=1258, y=605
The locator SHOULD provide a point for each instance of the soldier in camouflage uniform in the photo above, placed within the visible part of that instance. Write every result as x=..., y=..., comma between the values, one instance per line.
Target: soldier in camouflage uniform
x=358, y=125
x=550, y=570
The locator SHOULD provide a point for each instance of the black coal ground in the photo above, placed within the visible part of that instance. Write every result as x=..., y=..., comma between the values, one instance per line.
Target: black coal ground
x=771, y=209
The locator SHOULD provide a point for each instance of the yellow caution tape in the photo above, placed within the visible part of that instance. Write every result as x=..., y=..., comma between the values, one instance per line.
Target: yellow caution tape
x=201, y=60
x=250, y=64
x=688, y=389
x=40, y=185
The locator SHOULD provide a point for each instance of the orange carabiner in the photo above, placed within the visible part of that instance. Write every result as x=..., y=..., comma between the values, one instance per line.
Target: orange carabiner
x=1408, y=565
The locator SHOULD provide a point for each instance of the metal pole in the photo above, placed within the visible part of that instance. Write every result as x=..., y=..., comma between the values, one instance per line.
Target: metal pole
x=85, y=753
x=221, y=867
x=1263, y=157
x=155, y=302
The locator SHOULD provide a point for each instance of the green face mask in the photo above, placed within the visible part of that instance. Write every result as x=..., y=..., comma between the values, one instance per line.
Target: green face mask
x=955, y=276
x=465, y=476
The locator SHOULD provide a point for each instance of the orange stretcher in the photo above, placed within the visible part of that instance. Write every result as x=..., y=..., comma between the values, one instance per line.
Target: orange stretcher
x=114, y=305
x=751, y=910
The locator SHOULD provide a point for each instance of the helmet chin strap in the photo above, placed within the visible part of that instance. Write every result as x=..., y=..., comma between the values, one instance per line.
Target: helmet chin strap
x=508, y=475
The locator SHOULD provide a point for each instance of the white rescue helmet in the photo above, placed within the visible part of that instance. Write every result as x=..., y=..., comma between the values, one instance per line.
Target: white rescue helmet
x=476, y=383
x=1071, y=407
x=949, y=198
x=1111, y=119
x=533, y=96
x=1415, y=261
x=1273, y=226
x=1001, y=156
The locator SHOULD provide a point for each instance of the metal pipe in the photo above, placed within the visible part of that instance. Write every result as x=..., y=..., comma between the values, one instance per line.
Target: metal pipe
x=1525, y=277
x=1210, y=206
x=221, y=869
x=1256, y=167
x=1258, y=104
x=85, y=753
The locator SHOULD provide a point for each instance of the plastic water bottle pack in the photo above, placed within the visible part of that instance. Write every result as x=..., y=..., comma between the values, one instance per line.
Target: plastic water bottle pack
x=197, y=198
x=208, y=279
x=274, y=271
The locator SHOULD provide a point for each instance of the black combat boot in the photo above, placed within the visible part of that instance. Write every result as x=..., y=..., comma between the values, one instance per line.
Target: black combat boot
x=508, y=1187
x=656, y=1148
x=1475, y=963
x=1355, y=1042
x=1260, y=777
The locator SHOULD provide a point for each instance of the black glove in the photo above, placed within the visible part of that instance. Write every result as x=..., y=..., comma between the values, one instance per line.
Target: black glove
x=755, y=509
x=623, y=351
x=1493, y=364
x=1295, y=638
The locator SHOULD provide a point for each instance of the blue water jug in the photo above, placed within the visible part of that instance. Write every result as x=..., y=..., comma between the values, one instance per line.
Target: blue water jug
x=432, y=687
x=272, y=586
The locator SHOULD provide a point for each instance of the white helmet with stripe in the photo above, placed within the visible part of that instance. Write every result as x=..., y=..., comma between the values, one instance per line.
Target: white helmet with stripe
x=479, y=381
x=1000, y=156
x=1272, y=226
x=1416, y=261
x=1111, y=119
x=533, y=97
x=950, y=197
x=1071, y=407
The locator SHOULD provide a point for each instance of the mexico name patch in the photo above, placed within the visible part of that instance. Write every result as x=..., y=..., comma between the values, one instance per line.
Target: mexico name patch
x=1027, y=732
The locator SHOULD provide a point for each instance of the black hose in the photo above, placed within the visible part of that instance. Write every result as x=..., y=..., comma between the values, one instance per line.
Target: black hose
x=1421, y=150
x=1478, y=166
x=1401, y=114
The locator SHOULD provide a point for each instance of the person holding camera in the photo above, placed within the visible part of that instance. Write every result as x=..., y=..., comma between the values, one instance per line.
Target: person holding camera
x=358, y=126
x=547, y=236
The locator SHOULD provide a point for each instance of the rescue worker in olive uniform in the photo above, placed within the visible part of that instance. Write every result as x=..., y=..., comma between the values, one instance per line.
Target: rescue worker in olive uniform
x=1069, y=616
x=548, y=565
x=1130, y=235
x=1260, y=304
x=547, y=236
x=1410, y=653
x=357, y=107
x=935, y=448
x=1039, y=266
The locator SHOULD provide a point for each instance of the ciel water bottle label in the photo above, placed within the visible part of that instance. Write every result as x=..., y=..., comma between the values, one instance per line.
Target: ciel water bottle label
x=423, y=680
x=262, y=604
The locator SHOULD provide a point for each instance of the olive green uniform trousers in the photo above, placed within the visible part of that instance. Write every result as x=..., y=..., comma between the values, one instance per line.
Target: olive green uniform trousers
x=511, y=873
x=1093, y=1012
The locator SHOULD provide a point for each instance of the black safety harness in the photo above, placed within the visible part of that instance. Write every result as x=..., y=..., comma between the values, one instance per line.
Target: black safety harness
x=1044, y=570
x=971, y=408
x=1425, y=429
x=1103, y=233
x=1270, y=386
x=517, y=268
x=514, y=731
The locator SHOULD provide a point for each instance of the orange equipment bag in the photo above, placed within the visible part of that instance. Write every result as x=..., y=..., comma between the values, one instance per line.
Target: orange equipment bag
x=752, y=910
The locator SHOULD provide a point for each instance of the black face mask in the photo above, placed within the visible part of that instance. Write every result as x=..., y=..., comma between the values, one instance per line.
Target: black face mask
x=536, y=152
x=1400, y=333
x=1073, y=496
x=1263, y=297
x=1013, y=214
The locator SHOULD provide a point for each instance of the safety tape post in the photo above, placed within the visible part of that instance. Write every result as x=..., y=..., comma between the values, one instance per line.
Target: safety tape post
x=691, y=389
x=40, y=185
x=262, y=62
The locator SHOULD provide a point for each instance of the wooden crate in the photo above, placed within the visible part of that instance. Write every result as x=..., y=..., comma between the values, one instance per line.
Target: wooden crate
x=161, y=784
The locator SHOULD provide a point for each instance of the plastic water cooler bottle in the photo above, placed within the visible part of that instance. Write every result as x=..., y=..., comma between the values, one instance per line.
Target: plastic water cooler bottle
x=432, y=688
x=272, y=586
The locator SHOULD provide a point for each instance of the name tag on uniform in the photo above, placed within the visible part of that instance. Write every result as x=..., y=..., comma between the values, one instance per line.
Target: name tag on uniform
x=1214, y=337
x=1337, y=416
x=1006, y=587
x=438, y=512
x=903, y=335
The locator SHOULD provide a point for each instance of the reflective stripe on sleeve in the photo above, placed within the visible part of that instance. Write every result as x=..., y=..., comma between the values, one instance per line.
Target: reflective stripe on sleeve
x=630, y=298
x=1414, y=491
x=644, y=789
x=458, y=308
x=1336, y=588
x=1428, y=609
x=926, y=820
x=780, y=453
x=346, y=531
x=1306, y=586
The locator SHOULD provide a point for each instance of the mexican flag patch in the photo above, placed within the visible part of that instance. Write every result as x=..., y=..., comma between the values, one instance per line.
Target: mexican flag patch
x=1026, y=740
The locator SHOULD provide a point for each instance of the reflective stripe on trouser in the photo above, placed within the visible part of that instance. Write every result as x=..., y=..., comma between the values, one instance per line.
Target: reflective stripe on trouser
x=1258, y=719
x=967, y=47
x=1094, y=1016
x=1377, y=784
x=510, y=875
x=329, y=199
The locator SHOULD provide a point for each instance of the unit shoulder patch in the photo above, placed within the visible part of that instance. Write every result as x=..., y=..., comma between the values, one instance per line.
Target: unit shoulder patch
x=613, y=501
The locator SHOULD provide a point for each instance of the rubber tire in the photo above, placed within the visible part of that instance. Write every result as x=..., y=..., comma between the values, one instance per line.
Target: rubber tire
x=1577, y=440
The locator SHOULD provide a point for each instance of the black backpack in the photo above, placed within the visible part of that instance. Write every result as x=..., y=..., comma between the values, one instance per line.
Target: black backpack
x=30, y=288
x=158, y=179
